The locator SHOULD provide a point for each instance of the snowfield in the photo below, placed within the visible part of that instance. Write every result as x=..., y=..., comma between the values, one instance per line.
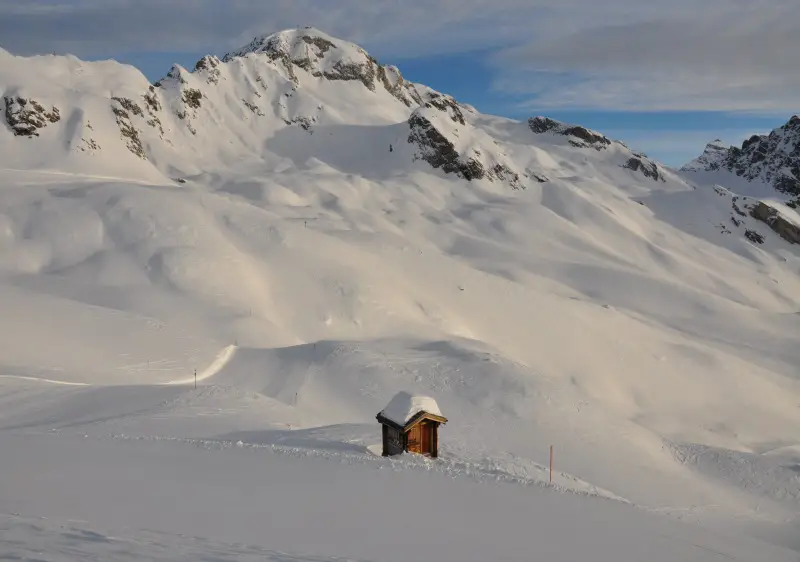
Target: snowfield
x=303, y=234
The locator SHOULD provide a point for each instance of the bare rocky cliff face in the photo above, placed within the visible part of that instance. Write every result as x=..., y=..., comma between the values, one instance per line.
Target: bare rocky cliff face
x=784, y=227
x=773, y=159
x=26, y=117
x=435, y=145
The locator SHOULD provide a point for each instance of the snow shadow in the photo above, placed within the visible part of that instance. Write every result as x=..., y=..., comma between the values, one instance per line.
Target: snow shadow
x=343, y=438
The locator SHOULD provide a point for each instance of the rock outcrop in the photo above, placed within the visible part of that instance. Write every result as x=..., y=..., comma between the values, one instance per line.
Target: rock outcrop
x=27, y=117
x=435, y=148
x=579, y=137
x=322, y=56
x=786, y=229
x=648, y=168
x=773, y=159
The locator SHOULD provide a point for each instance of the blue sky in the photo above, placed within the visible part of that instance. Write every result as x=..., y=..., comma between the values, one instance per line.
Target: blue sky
x=664, y=77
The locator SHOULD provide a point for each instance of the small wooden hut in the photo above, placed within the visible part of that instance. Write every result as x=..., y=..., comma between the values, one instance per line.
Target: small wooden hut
x=411, y=424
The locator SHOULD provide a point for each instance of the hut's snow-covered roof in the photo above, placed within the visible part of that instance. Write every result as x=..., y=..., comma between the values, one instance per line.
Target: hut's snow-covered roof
x=405, y=406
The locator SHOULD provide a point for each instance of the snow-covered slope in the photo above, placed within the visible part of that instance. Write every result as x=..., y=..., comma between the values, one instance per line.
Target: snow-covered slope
x=772, y=159
x=766, y=167
x=311, y=234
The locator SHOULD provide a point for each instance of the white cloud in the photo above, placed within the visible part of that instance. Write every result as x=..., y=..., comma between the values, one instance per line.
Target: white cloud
x=412, y=27
x=610, y=54
x=740, y=58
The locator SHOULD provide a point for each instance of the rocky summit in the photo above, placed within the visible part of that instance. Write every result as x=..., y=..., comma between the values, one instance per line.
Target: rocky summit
x=773, y=159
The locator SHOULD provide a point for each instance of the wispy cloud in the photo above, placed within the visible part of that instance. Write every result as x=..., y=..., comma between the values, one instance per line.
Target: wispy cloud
x=735, y=55
x=742, y=57
x=410, y=28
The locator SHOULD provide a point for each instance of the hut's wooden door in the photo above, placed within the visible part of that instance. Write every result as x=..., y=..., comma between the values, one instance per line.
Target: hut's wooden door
x=415, y=439
x=426, y=438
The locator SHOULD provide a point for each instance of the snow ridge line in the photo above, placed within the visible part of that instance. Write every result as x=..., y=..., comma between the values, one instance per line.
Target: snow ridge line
x=222, y=359
x=219, y=363
x=453, y=468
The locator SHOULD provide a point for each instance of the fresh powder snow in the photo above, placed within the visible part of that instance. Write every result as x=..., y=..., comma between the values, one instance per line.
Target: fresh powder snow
x=404, y=406
x=210, y=285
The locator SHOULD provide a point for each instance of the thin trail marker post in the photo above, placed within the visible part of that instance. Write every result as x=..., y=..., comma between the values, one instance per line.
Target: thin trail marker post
x=195, y=379
x=551, y=464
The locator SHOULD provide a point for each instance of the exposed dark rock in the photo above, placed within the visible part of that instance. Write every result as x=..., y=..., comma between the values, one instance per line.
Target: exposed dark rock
x=323, y=45
x=785, y=229
x=151, y=102
x=586, y=135
x=128, y=132
x=438, y=151
x=253, y=107
x=754, y=236
x=282, y=49
x=540, y=125
x=504, y=173
x=736, y=208
x=772, y=158
x=304, y=122
x=208, y=64
x=580, y=137
x=192, y=98
x=647, y=167
x=155, y=122
x=27, y=116
x=398, y=88
x=362, y=72
x=129, y=105
x=448, y=105
x=90, y=145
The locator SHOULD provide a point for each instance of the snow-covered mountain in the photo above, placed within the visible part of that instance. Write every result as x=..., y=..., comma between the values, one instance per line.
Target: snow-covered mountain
x=766, y=167
x=305, y=233
x=279, y=89
x=772, y=159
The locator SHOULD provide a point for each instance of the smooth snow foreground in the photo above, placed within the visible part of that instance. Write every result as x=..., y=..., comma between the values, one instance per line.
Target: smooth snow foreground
x=307, y=274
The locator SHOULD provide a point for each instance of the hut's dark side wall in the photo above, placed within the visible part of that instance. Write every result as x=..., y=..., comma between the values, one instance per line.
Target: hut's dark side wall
x=393, y=441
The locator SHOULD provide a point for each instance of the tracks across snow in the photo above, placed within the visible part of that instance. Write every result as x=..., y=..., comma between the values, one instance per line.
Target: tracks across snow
x=219, y=363
x=42, y=380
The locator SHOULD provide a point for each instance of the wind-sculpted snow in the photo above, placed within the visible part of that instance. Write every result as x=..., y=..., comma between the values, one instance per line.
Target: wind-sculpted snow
x=302, y=234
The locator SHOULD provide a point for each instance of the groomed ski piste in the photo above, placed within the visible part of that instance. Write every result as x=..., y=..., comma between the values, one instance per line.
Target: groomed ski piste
x=307, y=274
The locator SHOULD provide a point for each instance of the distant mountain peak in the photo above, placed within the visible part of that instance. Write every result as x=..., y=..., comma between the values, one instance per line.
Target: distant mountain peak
x=773, y=159
x=713, y=157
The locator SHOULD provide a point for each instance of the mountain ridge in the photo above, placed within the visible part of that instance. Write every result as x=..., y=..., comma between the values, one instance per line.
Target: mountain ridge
x=278, y=78
x=772, y=159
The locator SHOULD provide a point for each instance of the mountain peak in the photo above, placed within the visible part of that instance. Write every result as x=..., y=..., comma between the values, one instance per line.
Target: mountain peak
x=307, y=47
x=713, y=157
x=312, y=52
x=773, y=159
